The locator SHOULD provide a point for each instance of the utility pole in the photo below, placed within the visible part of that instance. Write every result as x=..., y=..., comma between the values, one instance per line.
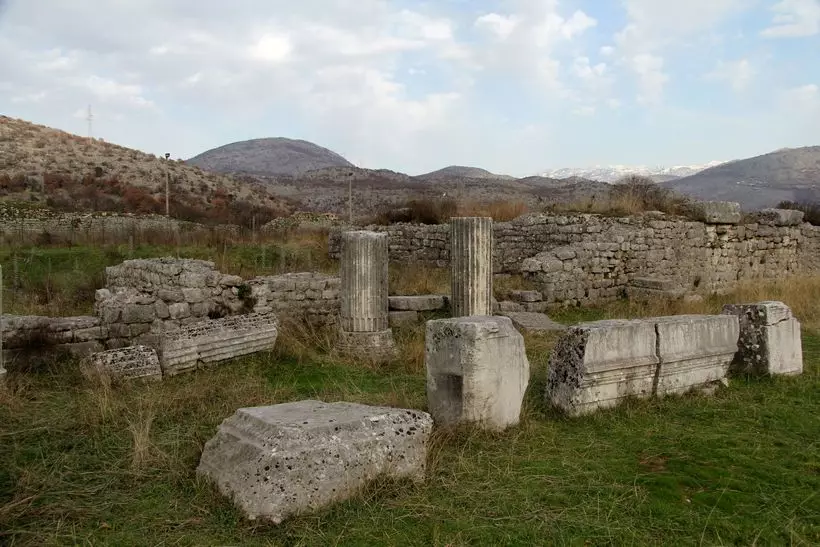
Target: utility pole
x=89, y=118
x=167, y=187
x=350, y=201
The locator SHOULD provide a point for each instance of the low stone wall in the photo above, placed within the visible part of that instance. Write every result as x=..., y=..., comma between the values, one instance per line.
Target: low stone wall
x=78, y=228
x=24, y=335
x=582, y=259
x=311, y=295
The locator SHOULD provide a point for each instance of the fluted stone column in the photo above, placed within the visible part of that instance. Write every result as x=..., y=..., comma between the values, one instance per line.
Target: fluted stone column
x=364, y=319
x=471, y=266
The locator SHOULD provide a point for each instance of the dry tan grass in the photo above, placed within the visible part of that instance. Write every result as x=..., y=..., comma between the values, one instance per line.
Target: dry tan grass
x=500, y=210
x=414, y=279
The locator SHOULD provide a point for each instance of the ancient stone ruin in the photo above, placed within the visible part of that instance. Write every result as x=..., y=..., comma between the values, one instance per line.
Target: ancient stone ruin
x=471, y=266
x=217, y=340
x=597, y=365
x=364, y=319
x=288, y=459
x=770, y=340
x=477, y=371
x=131, y=363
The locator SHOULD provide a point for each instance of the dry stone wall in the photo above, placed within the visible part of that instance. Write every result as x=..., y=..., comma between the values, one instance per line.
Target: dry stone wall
x=581, y=259
x=77, y=228
x=24, y=335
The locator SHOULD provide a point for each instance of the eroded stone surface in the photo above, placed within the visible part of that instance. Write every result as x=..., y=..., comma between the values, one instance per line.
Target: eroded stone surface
x=371, y=347
x=216, y=340
x=364, y=278
x=429, y=302
x=596, y=365
x=719, y=212
x=533, y=322
x=477, y=371
x=694, y=351
x=287, y=459
x=780, y=217
x=129, y=363
x=770, y=341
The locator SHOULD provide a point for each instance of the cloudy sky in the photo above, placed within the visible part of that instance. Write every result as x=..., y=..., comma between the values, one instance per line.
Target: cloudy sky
x=515, y=86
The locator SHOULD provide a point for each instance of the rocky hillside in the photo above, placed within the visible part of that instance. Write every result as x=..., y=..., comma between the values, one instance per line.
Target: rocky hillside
x=763, y=181
x=268, y=157
x=615, y=173
x=461, y=172
x=67, y=172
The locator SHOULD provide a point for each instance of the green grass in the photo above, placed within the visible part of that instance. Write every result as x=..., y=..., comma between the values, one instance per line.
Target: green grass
x=61, y=281
x=739, y=468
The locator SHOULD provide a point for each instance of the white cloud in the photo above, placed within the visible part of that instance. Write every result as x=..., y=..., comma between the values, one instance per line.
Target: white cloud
x=651, y=76
x=585, y=111
x=794, y=18
x=607, y=51
x=499, y=25
x=585, y=71
x=272, y=48
x=803, y=100
x=737, y=74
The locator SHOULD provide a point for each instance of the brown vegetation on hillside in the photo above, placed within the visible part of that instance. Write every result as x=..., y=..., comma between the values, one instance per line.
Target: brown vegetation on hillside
x=71, y=173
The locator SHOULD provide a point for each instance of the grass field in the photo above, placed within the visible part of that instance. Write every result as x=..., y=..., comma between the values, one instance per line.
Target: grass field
x=85, y=462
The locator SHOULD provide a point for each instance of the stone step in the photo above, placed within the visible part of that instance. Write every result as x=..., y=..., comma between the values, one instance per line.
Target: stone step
x=427, y=302
x=533, y=322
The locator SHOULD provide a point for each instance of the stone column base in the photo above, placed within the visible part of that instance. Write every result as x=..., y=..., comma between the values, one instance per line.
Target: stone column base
x=374, y=347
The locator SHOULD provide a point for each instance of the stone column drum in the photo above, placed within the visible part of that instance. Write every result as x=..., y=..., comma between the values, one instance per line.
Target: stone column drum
x=471, y=266
x=364, y=317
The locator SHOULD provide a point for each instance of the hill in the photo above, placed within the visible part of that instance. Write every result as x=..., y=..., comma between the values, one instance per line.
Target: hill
x=758, y=182
x=460, y=171
x=268, y=157
x=614, y=173
x=66, y=172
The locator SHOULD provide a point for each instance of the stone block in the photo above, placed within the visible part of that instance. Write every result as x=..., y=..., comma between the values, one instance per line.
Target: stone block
x=171, y=295
x=398, y=318
x=526, y=296
x=597, y=365
x=161, y=310
x=477, y=371
x=193, y=296
x=430, y=302
x=138, y=313
x=129, y=363
x=779, y=217
x=505, y=307
x=370, y=347
x=719, y=212
x=694, y=351
x=211, y=341
x=179, y=310
x=289, y=459
x=770, y=341
x=531, y=322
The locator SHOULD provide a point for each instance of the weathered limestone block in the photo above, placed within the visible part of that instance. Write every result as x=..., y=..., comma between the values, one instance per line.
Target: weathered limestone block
x=770, y=341
x=129, y=363
x=694, y=351
x=526, y=296
x=364, y=276
x=471, y=266
x=596, y=365
x=477, y=371
x=719, y=212
x=216, y=340
x=370, y=347
x=533, y=322
x=429, y=302
x=288, y=459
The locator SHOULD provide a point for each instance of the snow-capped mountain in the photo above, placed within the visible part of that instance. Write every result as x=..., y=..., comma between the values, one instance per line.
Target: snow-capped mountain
x=613, y=173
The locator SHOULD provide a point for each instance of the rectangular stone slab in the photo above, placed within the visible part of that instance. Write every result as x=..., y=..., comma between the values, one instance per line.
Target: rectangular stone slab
x=129, y=363
x=287, y=459
x=477, y=371
x=694, y=350
x=428, y=302
x=770, y=341
x=217, y=340
x=596, y=365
